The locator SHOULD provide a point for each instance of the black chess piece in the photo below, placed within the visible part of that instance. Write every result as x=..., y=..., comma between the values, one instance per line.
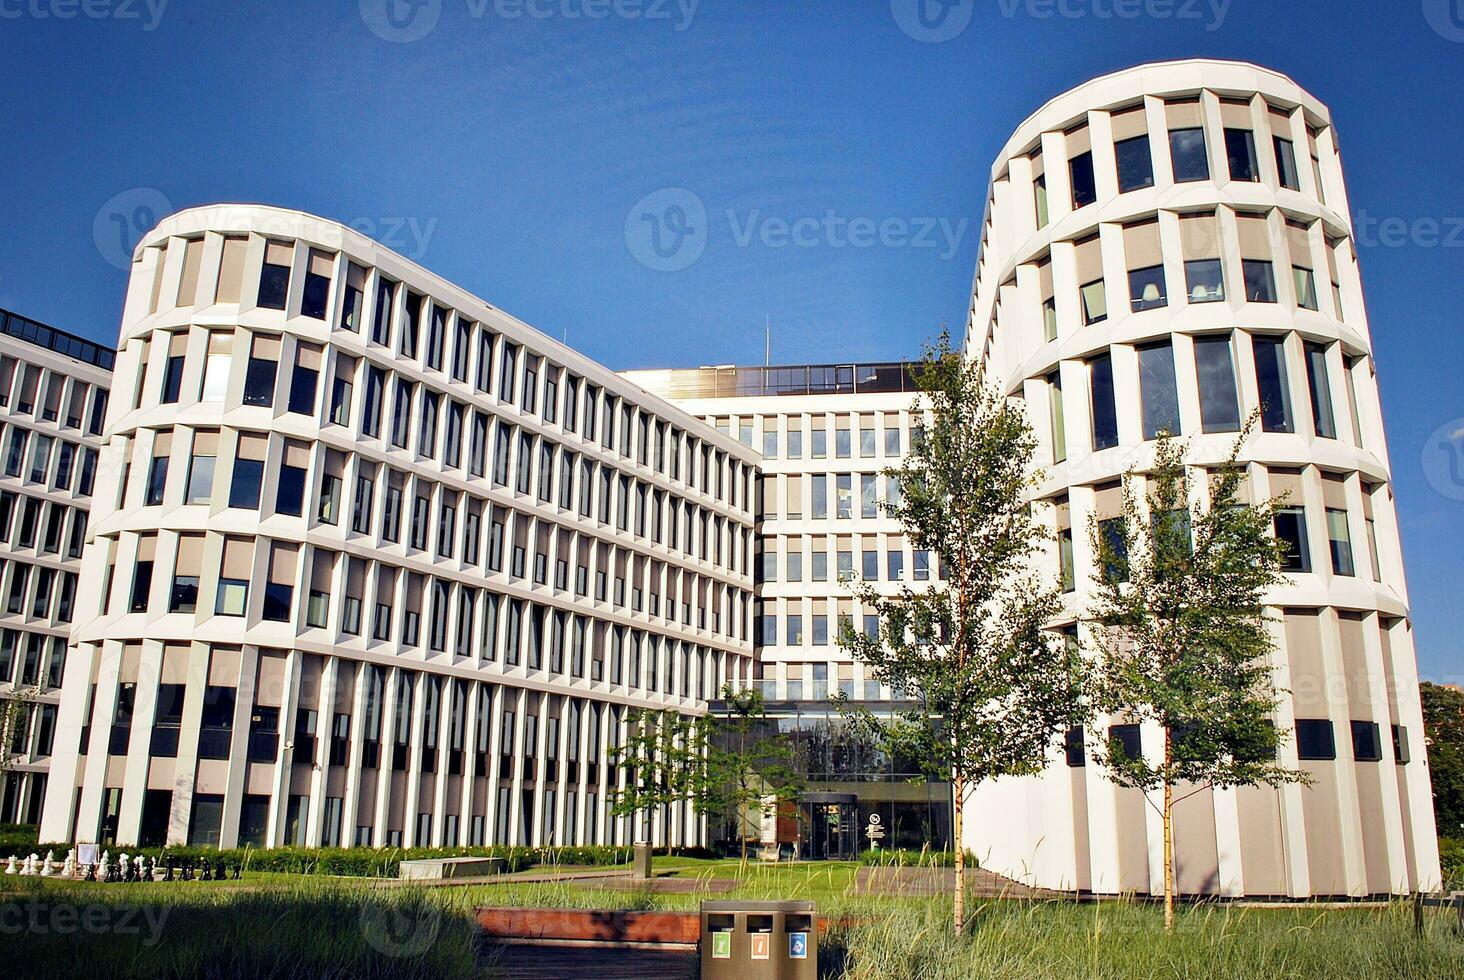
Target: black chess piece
x=168, y=871
x=91, y=872
x=238, y=871
x=187, y=869
x=205, y=871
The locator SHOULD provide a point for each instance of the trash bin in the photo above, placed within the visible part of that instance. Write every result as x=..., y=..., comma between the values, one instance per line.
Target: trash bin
x=759, y=941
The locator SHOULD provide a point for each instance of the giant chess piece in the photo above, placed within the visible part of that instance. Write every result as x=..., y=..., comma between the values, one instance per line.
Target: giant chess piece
x=91, y=873
x=205, y=872
x=187, y=869
x=104, y=871
x=30, y=865
x=48, y=869
x=238, y=871
x=10, y=867
x=68, y=868
x=168, y=871
x=124, y=868
x=138, y=864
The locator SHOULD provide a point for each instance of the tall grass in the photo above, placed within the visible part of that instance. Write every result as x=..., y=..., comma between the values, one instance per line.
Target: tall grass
x=302, y=929
x=1062, y=940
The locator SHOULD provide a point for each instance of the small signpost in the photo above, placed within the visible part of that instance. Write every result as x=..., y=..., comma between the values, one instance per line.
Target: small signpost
x=875, y=831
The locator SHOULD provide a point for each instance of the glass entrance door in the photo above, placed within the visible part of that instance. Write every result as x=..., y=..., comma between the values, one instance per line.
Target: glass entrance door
x=828, y=831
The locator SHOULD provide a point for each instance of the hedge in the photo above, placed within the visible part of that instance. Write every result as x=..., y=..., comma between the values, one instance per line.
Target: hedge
x=896, y=857
x=367, y=862
x=1451, y=857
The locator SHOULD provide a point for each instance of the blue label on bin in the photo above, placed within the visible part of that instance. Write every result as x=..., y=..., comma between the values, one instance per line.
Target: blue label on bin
x=797, y=945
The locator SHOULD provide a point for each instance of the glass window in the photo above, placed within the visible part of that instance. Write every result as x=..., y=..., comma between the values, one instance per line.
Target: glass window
x=892, y=440
x=1240, y=152
x=1204, y=281
x=1187, y=153
x=1286, y=164
x=844, y=492
x=895, y=564
x=172, y=380
x=1135, y=166
x=1065, y=558
x=1112, y=533
x=1085, y=190
x=770, y=443
x=1272, y=383
x=157, y=478
x=1290, y=528
x=820, y=484
x=1146, y=288
x=842, y=447
x=290, y=497
x=1104, y=411
x=1260, y=281
x=1049, y=319
x=233, y=597
x=1367, y=742
x=1306, y=287
x=1159, y=393
x=868, y=495
x=1095, y=302
x=1057, y=417
x=274, y=279
x=1215, y=372
x=1039, y=189
x=1314, y=740
x=1340, y=540
x=244, y=487
x=1321, y=391
x=259, y=381
x=820, y=443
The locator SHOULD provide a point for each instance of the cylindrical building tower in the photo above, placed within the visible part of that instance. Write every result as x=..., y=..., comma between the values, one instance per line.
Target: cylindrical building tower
x=1169, y=248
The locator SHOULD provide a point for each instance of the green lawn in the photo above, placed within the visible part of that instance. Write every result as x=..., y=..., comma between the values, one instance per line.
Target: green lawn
x=283, y=926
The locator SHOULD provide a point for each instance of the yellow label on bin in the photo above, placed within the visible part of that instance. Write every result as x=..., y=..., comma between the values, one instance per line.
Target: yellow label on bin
x=721, y=945
x=761, y=945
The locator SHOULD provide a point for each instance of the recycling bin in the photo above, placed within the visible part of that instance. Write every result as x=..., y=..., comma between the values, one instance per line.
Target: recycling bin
x=759, y=941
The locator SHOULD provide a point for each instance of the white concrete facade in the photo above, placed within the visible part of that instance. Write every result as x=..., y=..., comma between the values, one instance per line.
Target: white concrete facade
x=53, y=400
x=375, y=563
x=1157, y=254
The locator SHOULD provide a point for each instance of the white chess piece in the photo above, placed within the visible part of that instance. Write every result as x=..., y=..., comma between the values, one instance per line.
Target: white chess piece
x=10, y=868
x=139, y=864
x=105, y=868
x=30, y=865
x=68, y=868
x=49, y=868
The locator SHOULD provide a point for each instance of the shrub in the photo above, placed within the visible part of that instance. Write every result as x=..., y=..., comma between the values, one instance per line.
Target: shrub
x=900, y=858
x=1451, y=858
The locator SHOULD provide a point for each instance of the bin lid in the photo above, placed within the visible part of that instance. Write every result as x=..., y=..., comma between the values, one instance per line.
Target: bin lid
x=797, y=905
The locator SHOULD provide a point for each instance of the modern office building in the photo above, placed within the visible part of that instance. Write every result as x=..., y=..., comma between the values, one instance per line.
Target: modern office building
x=1169, y=248
x=826, y=434
x=373, y=562
x=53, y=401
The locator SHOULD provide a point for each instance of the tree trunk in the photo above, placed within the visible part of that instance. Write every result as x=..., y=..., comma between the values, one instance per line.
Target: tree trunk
x=1168, y=851
x=958, y=791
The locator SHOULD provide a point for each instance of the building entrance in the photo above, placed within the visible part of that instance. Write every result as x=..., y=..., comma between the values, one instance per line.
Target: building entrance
x=829, y=826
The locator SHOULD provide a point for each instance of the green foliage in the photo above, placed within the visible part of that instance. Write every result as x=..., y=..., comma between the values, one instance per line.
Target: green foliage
x=1443, y=727
x=1181, y=628
x=906, y=858
x=1451, y=858
x=364, y=862
x=660, y=757
x=18, y=834
x=994, y=687
x=743, y=761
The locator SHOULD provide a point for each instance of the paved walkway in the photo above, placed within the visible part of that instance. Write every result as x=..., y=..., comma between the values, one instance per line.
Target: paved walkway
x=576, y=962
x=980, y=883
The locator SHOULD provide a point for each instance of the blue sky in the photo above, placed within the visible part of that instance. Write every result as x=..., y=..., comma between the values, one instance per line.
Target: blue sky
x=508, y=146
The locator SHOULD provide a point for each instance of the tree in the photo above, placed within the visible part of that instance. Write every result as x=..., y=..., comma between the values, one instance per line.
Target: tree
x=993, y=688
x=1443, y=732
x=742, y=765
x=658, y=756
x=1182, y=637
